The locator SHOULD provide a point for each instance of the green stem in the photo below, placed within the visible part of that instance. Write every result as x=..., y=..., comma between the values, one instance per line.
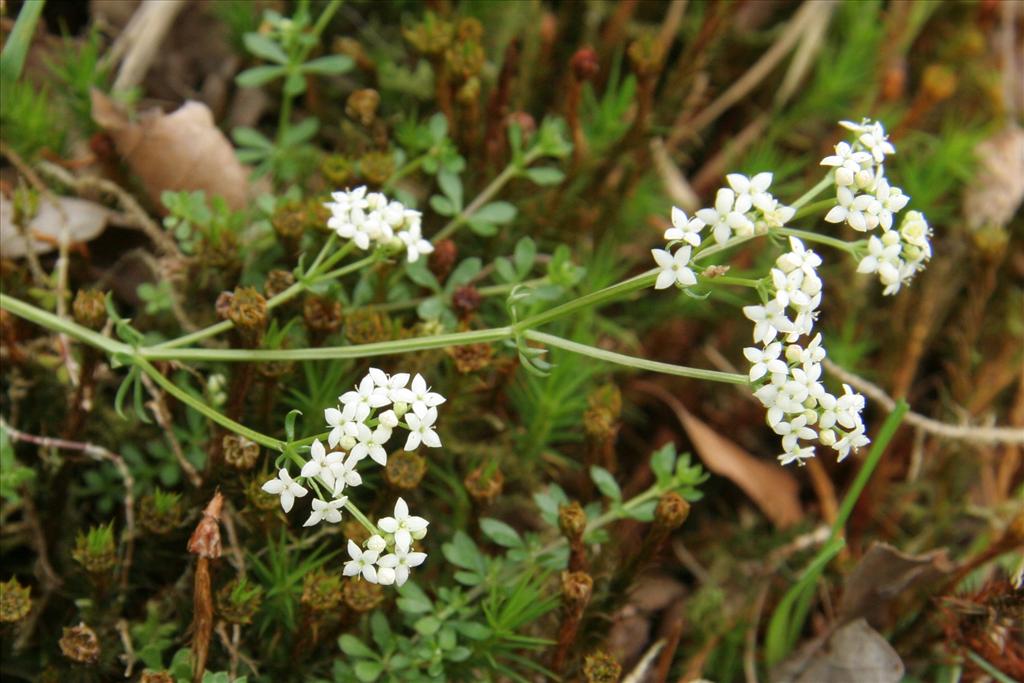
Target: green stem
x=460, y=219
x=404, y=171
x=345, y=270
x=490, y=290
x=195, y=403
x=593, y=299
x=729, y=280
x=361, y=518
x=816, y=207
x=814, y=191
x=55, y=323
x=637, y=363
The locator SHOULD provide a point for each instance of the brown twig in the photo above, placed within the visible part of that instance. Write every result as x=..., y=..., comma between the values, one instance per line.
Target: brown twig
x=129, y=658
x=205, y=542
x=99, y=454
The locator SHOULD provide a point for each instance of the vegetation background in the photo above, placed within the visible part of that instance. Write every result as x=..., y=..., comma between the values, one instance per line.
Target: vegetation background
x=546, y=143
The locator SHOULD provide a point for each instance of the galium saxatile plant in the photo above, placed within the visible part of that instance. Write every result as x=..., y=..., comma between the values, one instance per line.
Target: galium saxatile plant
x=360, y=426
x=786, y=361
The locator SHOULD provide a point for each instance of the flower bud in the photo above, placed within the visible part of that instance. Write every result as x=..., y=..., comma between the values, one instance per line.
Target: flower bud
x=347, y=443
x=400, y=409
x=388, y=419
x=671, y=511
x=385, y=576
x=15, y=601
x=577, y=587
x=584, y=64
x=827, y=437
x=90, y=309
x=80, y=644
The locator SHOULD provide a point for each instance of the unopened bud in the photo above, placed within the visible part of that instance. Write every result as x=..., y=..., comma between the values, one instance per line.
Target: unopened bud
x=671, y=511
x=90, y=309
x=572, y=520
x=584, y=64
x=577, y=588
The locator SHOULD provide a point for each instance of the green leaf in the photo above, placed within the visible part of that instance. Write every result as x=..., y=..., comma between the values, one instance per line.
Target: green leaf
x=545, y=175
x=430, y=309
x=300, y=132
x=427, y=626
x=462, y=552
x=368, y=671
x=482, y=227
x=381, y=631
x=249, y=137
x=464, y=272
x=548, y=501
x=12, y=59
x=644, y=512
x=289, y=423
x=524, y=255
x=503, y=267
x=500, y=532
x=329, y=65
x=605, y=482
x=259, y=75
x=354, y=647
x=451, y=185
x=496, y=212
x=421, y=275
x=438, y=126
x=413, y=600
x=663, y=463
x=265, y=48
x=473, y=630
x=442, y=205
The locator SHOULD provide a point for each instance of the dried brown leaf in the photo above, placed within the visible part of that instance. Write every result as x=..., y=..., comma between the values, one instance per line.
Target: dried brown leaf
x=855, y=653
x=885, y=574
x=183, y=150
x=85, y=221
x=772, y=488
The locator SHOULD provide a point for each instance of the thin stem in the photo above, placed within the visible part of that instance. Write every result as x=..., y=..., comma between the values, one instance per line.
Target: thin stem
x=490, y=290
x=729, y=280
x=634, y=362
x=345, y=270
x=814, y=208
x=190, y=400
x=594, y=298
x=54, y=323
x=329, y=352
x=361, y=518
x=511, y=171
x=404, y=171
x=814, y=191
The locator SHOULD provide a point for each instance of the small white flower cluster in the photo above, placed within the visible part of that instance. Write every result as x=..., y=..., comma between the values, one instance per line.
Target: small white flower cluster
x=367, y=218
x=360, y=431
x=742, y=209
x=788, y=375
x=400, y=531
x=867, y=201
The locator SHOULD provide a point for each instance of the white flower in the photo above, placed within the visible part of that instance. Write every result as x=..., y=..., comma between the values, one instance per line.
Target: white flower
x=891, y=200
x=813, y=353
x=798, y=257
x=847, y=162
x=374, y=446
x=797, y=455
x=285, y=487
x=877, y=142
x=388, y=419
x=356, y=433
x=851, y=441
x=749, y=191
x=415, y=245
x=792, y=431
x=674, y=269
x=764, y=360
x=418, y=395
x=403, y=526
x=684, y=229
x=389, y=383
x=724, y=219
x=853, y=209
x=774, y=214
x=336, y=421
x=769, y=320
x=385, y=575
x=321, y=464
x=401, y=561
x=421, y=422
x=362, y=562
x=326, y=511
x=347, y=475
x=358, y=404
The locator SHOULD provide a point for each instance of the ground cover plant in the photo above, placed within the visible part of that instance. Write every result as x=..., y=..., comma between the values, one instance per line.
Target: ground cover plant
x=511, y=341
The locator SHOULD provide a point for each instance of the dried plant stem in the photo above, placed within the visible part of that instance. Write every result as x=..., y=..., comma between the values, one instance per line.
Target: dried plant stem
x=162, y=415
x=972, y=434
x=99, y=454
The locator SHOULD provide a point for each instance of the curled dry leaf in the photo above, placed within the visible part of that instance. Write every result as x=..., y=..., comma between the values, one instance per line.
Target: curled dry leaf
x=882, y=576
x=854, y=653
x=183, y=150
x=85, y=221
x=772, y=488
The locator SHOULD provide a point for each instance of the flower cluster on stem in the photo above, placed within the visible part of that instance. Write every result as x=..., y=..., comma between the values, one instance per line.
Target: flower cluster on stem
x=866, y=201
x=787, y=372
x=360, y=426
x=371, y=218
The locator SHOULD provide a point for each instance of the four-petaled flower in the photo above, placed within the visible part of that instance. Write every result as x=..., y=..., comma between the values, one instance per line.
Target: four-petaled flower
x=421, y=428
x=403, y=526
x=418, y=395
x=362, y=562
x=286, y=487
x=329, y=511
x=674, y=268
x=684, y=229
x=400, y=561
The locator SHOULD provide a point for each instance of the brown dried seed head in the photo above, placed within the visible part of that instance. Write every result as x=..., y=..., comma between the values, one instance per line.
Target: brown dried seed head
x=572, y=520
x=248, y=311
x=336, y=169
x=466, y=300
x=90, y=308
x=356, y=532
x=577, y=588
x=376, y=167
x=938, y=82
x=470, y=28
x=80, y=644
x=156, y=677
x=362, y=105
x=671, y=511
x=443, y=258
x=601, y=667
x=585, y=64
x=485, y=488
x=322, y=314
x=15, y=600
x=321, y=591
x=289, y=221
x=366, y=327
x=277, y=281
x=205, y=540
x=471, y=357
x=239, y=452
x=362, y=596
x=405, y=470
